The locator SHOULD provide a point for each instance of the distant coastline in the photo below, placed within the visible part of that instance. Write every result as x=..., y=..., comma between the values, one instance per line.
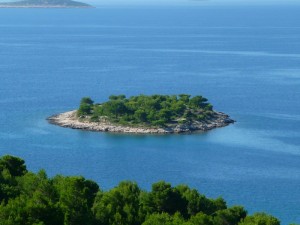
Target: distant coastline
x=45, y=4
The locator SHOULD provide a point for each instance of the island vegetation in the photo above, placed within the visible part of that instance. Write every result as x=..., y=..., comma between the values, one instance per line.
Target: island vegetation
x=45, y=4
x=154, y=110
x=29, y=198
x=151, y=114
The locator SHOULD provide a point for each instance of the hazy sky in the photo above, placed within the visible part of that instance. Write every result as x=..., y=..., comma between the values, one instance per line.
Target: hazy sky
x=184, y=2
x=193, y=2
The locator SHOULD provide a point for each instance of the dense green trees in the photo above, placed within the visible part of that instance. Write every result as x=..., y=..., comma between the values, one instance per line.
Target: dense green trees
x=34, y=199
x=11, y=168
x=261, y=219
x=154, y=110
x=120, y=205
x=15, y=166
x=76, y=197
x=86, y=106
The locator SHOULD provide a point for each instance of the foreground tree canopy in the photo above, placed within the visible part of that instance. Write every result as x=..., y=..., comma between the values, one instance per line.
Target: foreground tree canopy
x=154, y=110
x=34, y=199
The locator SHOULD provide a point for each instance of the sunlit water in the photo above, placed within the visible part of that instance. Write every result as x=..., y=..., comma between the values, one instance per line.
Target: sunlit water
x=246, y=61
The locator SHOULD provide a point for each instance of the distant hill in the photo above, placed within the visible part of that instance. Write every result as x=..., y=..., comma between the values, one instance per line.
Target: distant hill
x=45, y=4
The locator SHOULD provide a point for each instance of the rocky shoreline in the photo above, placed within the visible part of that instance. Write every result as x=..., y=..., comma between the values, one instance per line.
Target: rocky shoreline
x=70, y=120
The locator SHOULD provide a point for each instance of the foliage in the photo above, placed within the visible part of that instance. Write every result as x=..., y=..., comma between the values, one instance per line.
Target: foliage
x=260, y=219
x=164, y=219
x=120, y=205
x=10, y=169
x=14, y=165
x=86, y=106
x=76, y=196
x=154, y=110
x=34, y=199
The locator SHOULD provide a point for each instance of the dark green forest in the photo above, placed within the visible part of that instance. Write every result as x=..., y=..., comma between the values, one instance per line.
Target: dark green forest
x=154, y=110
x=35, y=199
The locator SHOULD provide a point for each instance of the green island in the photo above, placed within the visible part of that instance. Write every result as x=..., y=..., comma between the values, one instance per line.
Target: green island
x=144, y=114
x=29, y=198
x=44, y=4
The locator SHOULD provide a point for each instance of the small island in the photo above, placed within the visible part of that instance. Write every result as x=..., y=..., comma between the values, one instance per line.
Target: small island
x=45, y=4
x=161, y=114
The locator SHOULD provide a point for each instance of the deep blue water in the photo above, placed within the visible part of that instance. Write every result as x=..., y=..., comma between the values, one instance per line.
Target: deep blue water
x=246, y=61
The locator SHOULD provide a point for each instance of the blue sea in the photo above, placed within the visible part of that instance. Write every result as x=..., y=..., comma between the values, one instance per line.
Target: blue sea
x=245, y=60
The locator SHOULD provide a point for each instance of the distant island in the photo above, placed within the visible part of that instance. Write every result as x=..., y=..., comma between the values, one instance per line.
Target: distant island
x=45, y=4
x=144, y=114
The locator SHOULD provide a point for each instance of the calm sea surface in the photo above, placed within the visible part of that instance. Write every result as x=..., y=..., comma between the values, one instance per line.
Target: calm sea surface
x=246, y=61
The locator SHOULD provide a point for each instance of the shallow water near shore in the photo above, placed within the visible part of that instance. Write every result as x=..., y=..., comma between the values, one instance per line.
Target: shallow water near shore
x=246, y=61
